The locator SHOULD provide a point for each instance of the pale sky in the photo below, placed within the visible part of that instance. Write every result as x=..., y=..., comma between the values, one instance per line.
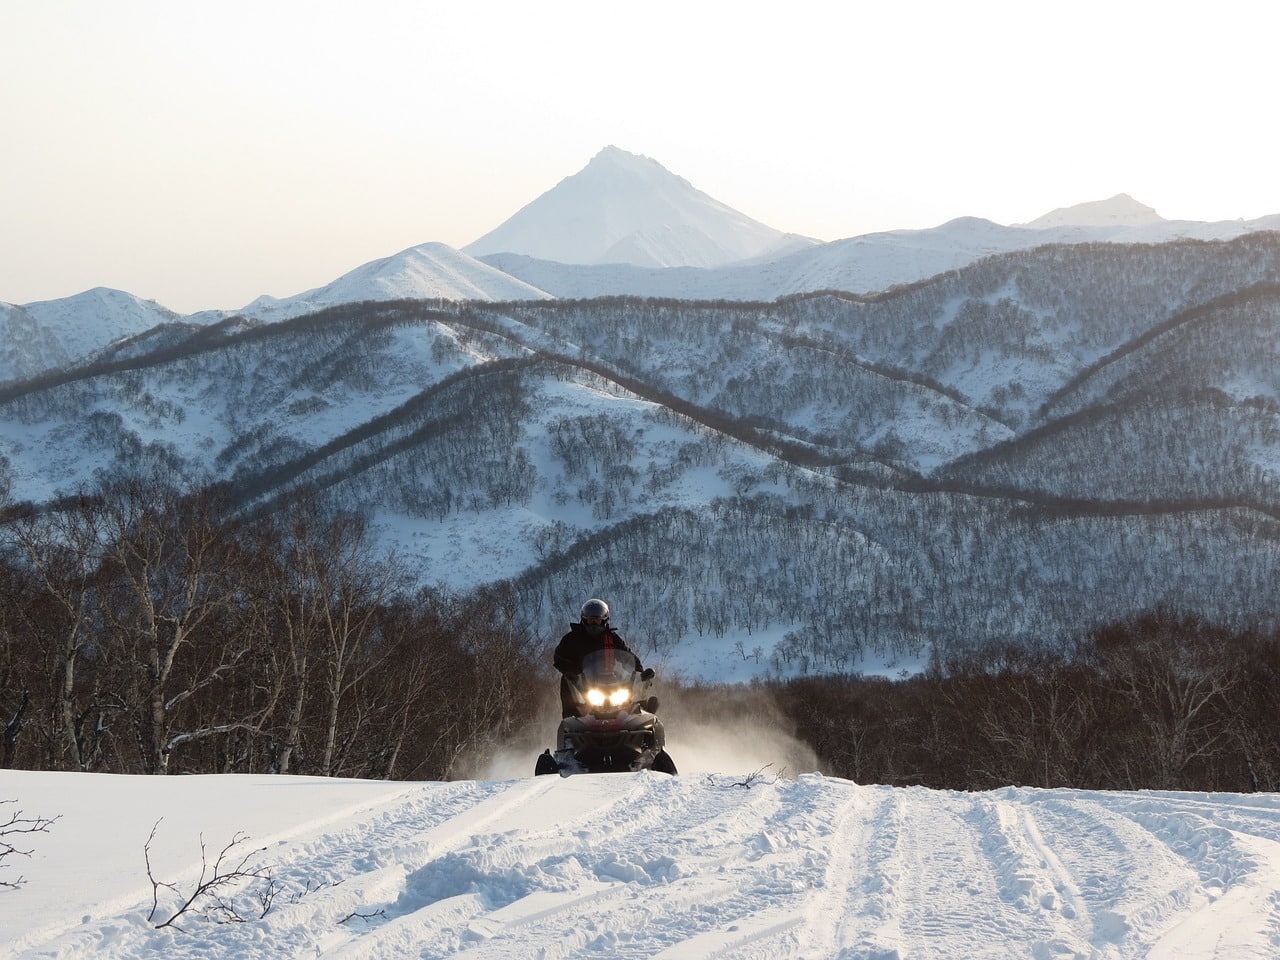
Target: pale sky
x=204, y=154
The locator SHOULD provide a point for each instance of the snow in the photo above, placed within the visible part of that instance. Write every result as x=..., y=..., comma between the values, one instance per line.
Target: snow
x=728, y=859
x=623, y=225
x=53, y=333
x=429, y=271
x=624, y=208
x=1120, y=210
x=725, y=860
x=116, y=314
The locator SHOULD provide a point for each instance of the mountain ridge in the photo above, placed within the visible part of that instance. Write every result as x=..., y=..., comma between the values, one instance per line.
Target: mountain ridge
x=47, y=334
x=39, y=337
x=1120, y=210
x=427, y=271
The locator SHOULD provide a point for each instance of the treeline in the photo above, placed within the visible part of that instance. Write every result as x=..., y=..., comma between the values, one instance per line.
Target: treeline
x=147, y=630
x=1159, y=701
x=143, y=630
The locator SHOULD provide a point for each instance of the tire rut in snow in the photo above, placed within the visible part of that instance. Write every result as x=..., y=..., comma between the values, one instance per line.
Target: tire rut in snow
x=442, y=901
x=1129, y=881
x=948, y=890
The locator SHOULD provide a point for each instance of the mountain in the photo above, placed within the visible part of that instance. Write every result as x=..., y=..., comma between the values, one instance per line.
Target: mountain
x=719, y=862
x=830, y=423
x=49, y=334
x=623, y=208
x=861, y=265
x=623, y=226
x=865, y=264
x=1119, y=211
x=1008, y=451
x=429, y=271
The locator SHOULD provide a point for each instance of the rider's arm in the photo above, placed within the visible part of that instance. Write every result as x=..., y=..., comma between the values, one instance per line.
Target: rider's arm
x=564, y=660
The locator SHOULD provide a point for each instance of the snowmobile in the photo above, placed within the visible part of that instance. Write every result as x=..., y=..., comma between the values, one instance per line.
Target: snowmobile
x=615, y=729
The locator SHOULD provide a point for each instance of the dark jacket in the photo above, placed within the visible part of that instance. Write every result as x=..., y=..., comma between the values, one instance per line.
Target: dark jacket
x=577, y=643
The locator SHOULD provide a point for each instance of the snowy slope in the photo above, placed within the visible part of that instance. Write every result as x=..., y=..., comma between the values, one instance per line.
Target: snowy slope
x=429, y=271
x=623, y=208
x=865, y=264
x=635, y=266
x=706, y=864
x=49, y=334
x=1120, y=210
x=291, y=389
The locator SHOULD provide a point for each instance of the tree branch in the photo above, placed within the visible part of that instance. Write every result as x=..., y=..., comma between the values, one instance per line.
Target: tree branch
x=224, y=872
x=18, y=824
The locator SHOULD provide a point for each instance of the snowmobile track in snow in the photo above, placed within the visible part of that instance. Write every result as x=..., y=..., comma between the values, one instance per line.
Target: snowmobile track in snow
x=654, y=866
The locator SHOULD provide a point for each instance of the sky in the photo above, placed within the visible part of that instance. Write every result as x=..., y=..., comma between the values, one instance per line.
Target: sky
x=203, y=155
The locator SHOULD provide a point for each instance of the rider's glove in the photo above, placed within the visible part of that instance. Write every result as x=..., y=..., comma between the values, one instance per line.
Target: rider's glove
x=646, y=674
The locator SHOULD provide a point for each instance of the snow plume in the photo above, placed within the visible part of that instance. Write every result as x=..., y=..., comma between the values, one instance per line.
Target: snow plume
x=517, y=754
x=732, y=730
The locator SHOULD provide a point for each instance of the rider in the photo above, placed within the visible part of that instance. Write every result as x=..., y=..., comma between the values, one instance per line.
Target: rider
x=591, y=632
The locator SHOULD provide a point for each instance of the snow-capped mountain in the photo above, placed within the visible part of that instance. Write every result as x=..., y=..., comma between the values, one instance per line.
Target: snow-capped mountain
x=624, y=225
x=429, y=271
x=865, y=264
x=623, y=208
x=1015, y=450
x=1118, y=211
x=49, y=334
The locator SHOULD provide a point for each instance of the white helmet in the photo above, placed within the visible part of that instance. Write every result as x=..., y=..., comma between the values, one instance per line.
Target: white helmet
x=597, y=610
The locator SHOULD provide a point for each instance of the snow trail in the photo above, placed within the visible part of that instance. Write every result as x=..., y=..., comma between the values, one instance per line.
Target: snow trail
x=645, y=865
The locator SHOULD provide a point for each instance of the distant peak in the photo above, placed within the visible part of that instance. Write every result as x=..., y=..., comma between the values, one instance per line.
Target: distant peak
x=614, y=158
x=626, y=208
x=1118, y=211
x=617, y=153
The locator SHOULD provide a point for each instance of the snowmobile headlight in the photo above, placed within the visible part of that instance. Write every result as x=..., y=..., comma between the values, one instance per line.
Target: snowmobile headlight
x=595, y=697
x=619, y=697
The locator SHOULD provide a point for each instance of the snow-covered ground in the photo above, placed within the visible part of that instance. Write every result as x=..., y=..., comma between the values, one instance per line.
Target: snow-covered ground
x=705, y=864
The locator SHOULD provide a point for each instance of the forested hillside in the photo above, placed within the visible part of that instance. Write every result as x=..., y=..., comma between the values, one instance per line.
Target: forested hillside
x=1009, y=452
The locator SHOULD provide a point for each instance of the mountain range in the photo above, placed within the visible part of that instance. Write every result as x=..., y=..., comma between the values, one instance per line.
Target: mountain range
x=1037, y=436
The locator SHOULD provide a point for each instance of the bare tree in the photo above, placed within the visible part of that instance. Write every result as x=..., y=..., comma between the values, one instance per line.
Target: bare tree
x=62, y=551
x=1177, y=675
x=172, y=565
x=324, y=593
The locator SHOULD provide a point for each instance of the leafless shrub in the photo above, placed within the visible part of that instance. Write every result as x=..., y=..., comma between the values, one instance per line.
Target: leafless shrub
x=14, y=825
x=749, y=781
x=213, y=892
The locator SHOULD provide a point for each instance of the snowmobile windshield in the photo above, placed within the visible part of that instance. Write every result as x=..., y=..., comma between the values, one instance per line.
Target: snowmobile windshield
x=608, y=667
